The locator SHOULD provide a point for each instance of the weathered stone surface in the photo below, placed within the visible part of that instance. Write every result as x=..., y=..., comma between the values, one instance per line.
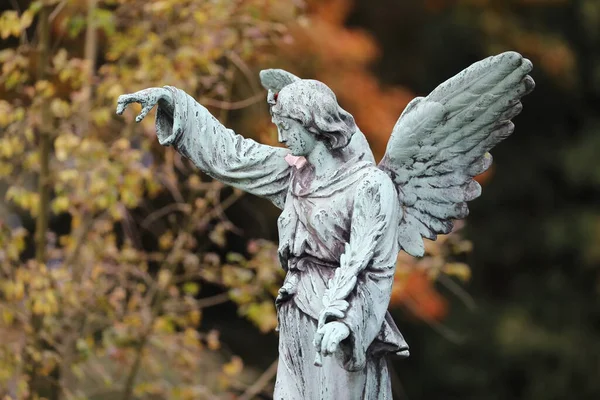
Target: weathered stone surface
x=344, y=219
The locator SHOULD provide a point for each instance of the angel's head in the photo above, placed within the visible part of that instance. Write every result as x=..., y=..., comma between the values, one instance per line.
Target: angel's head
x=306, y=112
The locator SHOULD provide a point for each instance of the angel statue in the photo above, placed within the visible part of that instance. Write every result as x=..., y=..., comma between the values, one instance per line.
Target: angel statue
x=345, y=218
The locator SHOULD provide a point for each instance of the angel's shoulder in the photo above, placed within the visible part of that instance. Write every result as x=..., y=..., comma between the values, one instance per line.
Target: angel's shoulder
x=375, y=180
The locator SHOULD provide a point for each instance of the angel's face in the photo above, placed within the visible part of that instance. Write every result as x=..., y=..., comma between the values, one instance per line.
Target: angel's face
x=294, y=136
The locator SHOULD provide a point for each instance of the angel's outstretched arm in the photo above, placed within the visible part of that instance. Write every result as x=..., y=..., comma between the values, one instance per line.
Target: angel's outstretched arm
x=186, y=125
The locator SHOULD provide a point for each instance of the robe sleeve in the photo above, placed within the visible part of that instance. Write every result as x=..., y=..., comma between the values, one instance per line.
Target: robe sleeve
x=221, y=153
x=376, y=200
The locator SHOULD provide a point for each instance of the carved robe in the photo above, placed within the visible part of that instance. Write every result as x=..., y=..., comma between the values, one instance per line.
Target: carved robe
x=315, y=229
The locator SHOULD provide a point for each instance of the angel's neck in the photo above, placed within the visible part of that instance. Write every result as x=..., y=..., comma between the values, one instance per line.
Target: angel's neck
x=325, y=162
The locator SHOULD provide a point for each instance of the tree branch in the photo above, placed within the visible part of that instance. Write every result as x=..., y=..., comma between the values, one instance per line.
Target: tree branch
x=236, y=105
x=161, y=212
x=156, y=303
x=45, y=140
x=44, y=149
x=260, y=383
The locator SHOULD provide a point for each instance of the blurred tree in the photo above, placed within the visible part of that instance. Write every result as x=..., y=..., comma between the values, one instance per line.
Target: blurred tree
x=107, y=241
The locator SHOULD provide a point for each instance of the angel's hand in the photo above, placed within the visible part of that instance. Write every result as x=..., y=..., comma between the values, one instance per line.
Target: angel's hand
x=329, y=336
x=147, y=98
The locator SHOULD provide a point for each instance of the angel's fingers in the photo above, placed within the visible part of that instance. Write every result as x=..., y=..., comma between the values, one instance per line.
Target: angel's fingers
x=327, y=314
x=317, y=340
x=334, y=343
x=529, y=84
x=144, y=112
x=124, y=100
x=326, y=343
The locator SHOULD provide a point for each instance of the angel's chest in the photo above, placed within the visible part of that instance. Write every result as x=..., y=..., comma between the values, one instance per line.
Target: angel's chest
x=328, y=218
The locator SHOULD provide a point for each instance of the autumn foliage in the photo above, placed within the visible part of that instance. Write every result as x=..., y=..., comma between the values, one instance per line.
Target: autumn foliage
x=108, y=241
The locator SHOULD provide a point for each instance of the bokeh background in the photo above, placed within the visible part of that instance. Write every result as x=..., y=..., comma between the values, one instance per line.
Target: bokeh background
x=127, y=274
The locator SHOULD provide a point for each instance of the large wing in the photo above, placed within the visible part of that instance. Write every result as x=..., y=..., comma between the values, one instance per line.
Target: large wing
x=441, y=142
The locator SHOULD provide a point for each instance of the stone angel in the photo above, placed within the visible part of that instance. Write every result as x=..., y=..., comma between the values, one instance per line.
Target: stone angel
x=344, y=217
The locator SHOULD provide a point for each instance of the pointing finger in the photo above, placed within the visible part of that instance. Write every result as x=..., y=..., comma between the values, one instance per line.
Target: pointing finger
x=124, y=100
x=120, y=108
x=144, y=112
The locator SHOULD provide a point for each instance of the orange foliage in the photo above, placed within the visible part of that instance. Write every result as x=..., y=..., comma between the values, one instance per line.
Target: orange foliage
x=323, y=48
x=503, y=29
x=486, y=176
x=414, y=287
x=417, y=293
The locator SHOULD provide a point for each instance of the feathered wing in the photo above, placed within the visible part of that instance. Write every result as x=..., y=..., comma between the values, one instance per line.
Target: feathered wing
x=441, y=142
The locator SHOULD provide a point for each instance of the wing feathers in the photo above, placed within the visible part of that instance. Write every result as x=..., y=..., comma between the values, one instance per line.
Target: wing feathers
x=441, y=142
x=480, y=165
x=478, y=77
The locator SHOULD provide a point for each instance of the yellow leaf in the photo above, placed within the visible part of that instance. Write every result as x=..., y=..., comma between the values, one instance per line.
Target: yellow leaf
x=39, y=308
x=164, y=325
x=263, y=315
x=191, y=338
x=75, y=221
x=51, y=301
x=10, y=24
x=160, y=6
x=5, y=114
x=7, y=316
x=97, y=272
x=77, y=371
x=98, y=186
x=5, y=169
x=212, y=340
x=32, y=161
x=18, y=291
x=101, y=116
x=26, y=19
x=64, y=145
x=60, y=108
x=60, y=59
x=121, y=144
x=60, y=204
x=233, y=367
x=45, y=88
x=200, y=17
x=29, y=134
x=68, y=175
x=460, y=270
x=164, y=277
x=166, y=241
x=194, y=317
x=6, y=150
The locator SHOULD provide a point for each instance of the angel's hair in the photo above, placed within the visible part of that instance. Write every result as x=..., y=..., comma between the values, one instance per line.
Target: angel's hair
x=314, y=105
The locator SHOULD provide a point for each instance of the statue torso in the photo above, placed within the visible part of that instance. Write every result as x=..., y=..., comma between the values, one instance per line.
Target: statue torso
x=316, y=219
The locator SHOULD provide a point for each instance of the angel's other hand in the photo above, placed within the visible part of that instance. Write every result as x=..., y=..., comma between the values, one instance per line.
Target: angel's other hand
x=329, y=337
x=147, y=98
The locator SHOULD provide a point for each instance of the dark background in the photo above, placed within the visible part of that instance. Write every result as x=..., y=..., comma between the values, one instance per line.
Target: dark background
x=535, y=333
